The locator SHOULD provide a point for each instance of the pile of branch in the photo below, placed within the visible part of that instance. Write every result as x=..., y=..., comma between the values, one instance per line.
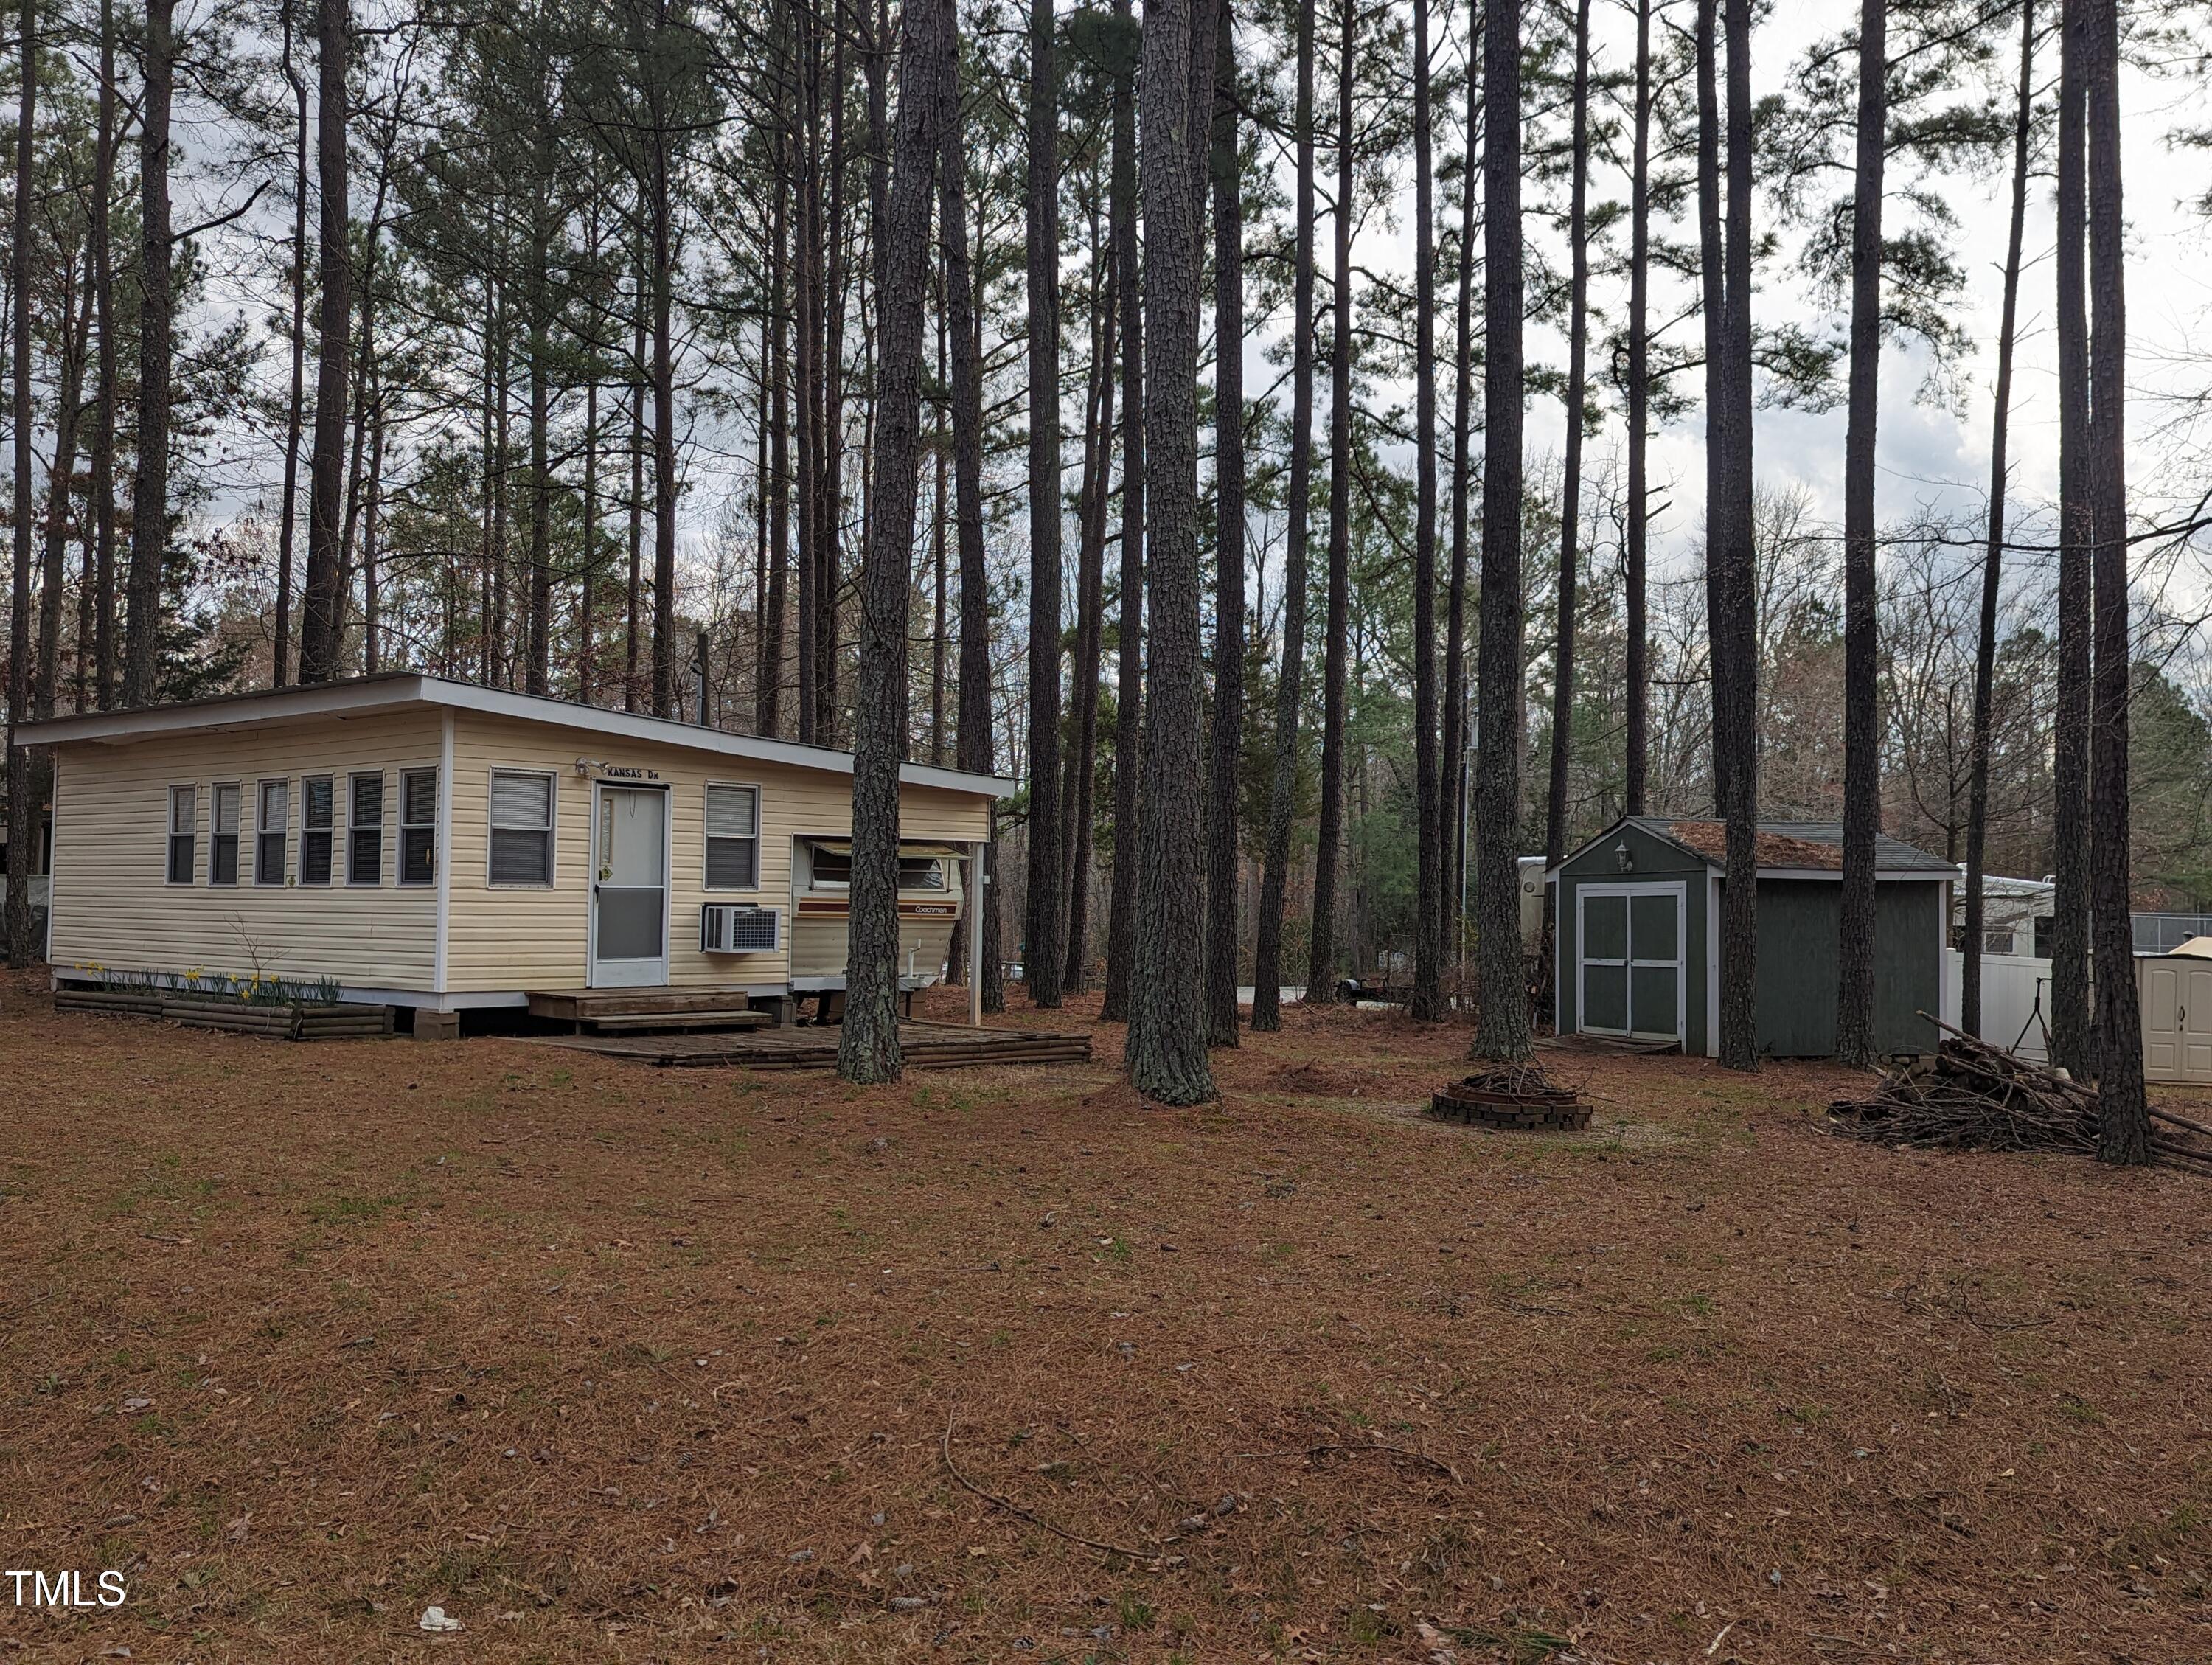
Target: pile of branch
x=1972, y=1096
x=1521, y=1080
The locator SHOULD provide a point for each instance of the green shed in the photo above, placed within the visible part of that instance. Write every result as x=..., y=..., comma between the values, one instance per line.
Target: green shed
x=1637, y=924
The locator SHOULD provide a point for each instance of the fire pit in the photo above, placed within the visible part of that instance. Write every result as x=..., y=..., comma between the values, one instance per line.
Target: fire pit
x=1511, y=1096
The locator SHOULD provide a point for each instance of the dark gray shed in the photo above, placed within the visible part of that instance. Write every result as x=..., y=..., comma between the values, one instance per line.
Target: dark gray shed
x=1637, y=925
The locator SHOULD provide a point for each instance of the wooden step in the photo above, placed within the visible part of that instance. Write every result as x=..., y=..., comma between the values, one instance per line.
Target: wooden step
x=607, y=1023
x=583, y=1004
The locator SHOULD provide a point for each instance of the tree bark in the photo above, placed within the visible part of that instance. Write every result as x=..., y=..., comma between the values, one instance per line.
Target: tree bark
x=103, y=430
x=1451, y=826
x=1044, y=937
x=1855, y=1036
x=1985, y=653
x=1290, y=687
x=323, y=620
x=2072, y=1042
x=1636, y=765
x=1571, y=493
x=1225, y=765
x=1501, y=1002
x=1427, y=1003
x=2124, y=1118
x=1128, y=726
x=23, y=814
x=1089, y=609
x=1739, y=636
x=868, y=1041
x=295, y=405
x=149, y=492
x=1320, y=964
x=770, y=705
x=972, y=732
x=1166, y=1049
x=664, y=421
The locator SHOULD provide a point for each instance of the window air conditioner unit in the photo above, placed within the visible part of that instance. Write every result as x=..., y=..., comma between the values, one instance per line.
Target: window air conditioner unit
x=739, y=928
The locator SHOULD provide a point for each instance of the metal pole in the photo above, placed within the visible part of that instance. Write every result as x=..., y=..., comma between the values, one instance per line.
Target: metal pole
x=976, y=881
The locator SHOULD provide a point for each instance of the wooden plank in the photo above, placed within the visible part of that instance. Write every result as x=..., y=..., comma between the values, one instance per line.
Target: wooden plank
x=601, y=1023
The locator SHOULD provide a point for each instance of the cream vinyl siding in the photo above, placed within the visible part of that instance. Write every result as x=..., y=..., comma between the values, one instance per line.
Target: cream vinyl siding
x=113, y=908
x=503, y=938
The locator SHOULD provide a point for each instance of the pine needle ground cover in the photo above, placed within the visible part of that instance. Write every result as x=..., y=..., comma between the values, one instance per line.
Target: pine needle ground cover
x=611, y=1363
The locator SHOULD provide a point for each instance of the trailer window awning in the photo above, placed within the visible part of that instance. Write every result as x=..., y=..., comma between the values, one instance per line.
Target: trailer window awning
x=907, y=848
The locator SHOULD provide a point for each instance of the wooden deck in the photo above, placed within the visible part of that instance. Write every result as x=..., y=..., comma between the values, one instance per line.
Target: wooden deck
x=605, y=1009
x=924, y=1046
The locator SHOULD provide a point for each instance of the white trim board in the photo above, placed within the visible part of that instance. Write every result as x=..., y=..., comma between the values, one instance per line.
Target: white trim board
x=399, y=691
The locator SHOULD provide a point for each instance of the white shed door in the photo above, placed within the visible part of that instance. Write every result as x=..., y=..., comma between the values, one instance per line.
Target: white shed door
x=1628, y=954
x=2177, y=1018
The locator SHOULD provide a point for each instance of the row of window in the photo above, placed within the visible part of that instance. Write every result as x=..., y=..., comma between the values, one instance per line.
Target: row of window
x=319, y=796
x=521, y=823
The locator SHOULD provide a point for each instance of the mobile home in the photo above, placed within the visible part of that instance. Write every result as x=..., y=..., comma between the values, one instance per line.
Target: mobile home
x=427, y=843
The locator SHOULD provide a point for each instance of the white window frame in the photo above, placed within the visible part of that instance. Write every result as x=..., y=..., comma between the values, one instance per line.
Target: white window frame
x=284, y=832
x=380, y=776
x=191, y=836
x=551, y=829
x=707, y=839
x=330, y=832
x=405, y=826
x=236, y=835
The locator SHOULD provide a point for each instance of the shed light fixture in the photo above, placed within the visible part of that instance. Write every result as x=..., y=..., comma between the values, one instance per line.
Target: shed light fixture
x=1624, y=858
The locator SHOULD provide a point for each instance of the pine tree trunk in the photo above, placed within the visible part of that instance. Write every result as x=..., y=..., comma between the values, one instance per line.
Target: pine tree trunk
x=323, y=620
x=2071, y=1043
x=103, y=431
x=1985, y=653
x=1320, y=964
x=1091, y=608
x=973, y=746
x=868, y=1042
x=939, y=531
x=1166, y=1048
x=830, y=498
x=1128, y=726
x=1739, y=922
x=770, y=704
x=2124, y=1133
x=1451, y=826
x=539, y=673
x=1044, y=937
x=1290, y=687
x=1855, y=1036
x=22, y=949
x=1571, y=493
x=1713, y=294
x=664, y=428
x=1501, y=1000
x=1224, y=764
x=149, y=492
x=1427, y=1003
x=634, y=622
x=295, y=403
x=1636, y=764
x=809, y=389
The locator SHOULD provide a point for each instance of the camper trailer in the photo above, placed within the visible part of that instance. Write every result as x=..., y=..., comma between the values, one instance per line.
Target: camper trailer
x=424, y=843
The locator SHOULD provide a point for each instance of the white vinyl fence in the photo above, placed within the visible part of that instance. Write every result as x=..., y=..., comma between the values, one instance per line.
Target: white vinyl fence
x=2011, y=1016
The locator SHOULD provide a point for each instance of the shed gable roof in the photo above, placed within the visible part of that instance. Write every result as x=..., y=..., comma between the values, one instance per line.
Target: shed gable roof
x=1800, y=846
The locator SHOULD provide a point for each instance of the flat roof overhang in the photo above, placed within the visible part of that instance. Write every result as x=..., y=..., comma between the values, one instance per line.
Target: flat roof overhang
x=402, y=691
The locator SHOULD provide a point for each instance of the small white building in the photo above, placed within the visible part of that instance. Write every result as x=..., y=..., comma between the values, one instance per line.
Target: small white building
x=420, y=843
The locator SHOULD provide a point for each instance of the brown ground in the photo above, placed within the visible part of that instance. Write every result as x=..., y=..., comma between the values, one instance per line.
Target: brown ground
x=617, y=1363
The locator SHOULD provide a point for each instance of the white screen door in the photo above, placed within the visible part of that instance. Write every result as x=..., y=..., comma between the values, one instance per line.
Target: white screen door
x=629, y=888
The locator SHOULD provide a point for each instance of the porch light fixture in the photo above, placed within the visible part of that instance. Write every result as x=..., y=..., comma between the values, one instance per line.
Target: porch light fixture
x=1624, y=858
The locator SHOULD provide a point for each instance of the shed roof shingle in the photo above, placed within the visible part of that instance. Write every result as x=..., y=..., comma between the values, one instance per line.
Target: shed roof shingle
x=1812, y=846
